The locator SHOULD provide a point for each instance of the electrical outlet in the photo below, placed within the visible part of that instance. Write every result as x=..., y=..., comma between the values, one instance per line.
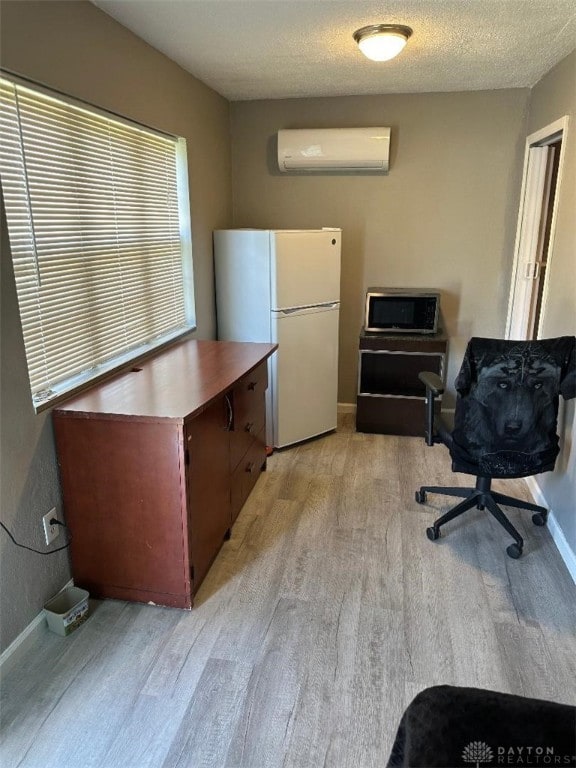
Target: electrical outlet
x=50, y=531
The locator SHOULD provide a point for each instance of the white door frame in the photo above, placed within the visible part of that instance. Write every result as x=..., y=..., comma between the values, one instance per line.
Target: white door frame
x=529, y=217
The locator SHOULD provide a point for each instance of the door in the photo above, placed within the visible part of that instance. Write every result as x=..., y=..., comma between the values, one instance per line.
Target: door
x=305, y=268
x=304, y=373
x=535, y=233
x=208, y=484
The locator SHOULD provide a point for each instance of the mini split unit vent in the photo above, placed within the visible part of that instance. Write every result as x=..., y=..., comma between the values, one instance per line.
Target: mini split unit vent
x=334, y=149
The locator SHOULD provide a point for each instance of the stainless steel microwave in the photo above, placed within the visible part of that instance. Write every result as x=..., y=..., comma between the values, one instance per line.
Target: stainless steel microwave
x=401, y=310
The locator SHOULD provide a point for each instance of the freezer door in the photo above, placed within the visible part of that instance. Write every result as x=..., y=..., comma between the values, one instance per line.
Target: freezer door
x=305, y=268
x=304, y=374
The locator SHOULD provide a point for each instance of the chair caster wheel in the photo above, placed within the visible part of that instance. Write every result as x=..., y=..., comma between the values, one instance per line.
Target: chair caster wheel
x=539, y=518
x=514, y=551
x=420, y=497
x=433, y=533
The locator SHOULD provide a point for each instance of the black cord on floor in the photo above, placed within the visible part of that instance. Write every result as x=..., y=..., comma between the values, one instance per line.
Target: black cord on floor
x=38, y=552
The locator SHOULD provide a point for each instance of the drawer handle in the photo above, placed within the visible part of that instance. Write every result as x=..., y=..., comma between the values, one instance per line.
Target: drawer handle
x=250, y=468
x=230, y=412
x=249, y=426
x=252, y=385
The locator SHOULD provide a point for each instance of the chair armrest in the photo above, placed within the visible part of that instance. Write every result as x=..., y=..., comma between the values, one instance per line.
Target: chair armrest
x=434, y=388
x=433, y=382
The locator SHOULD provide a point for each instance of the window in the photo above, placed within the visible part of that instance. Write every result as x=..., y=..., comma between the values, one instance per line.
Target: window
x=98, y=220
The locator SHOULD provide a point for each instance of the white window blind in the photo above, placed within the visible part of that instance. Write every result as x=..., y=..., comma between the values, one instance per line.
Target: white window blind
x=99, y=233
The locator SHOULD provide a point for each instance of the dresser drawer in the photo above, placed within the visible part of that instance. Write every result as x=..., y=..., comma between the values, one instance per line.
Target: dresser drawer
x=246, y=473
x=249, y=412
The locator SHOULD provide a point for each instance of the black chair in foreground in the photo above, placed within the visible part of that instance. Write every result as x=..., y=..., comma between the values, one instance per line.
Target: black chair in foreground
x=505, y=422
x=452, y=726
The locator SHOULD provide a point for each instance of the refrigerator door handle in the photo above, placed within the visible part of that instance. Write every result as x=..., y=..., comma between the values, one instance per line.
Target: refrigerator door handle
x=294, y=310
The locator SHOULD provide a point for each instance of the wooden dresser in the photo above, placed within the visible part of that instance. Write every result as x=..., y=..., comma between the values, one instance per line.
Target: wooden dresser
x=155, y=465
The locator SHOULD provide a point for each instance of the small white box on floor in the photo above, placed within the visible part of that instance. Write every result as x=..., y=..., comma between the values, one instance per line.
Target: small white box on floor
x=66, y=611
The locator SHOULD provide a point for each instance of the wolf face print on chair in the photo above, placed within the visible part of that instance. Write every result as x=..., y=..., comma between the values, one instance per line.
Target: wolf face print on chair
x=505, y=422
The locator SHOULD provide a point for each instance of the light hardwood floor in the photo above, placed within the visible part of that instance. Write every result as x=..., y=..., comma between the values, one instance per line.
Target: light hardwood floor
x=325, y=613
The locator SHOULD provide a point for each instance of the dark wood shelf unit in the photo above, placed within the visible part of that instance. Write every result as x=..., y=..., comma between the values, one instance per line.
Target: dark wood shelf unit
x=390, y=397
x=155, y=465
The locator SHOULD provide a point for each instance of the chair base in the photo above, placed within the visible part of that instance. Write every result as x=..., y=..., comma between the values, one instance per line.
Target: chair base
x=483, y=497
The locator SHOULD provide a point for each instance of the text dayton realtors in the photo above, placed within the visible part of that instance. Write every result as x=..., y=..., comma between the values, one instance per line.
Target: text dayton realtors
x=535, y=756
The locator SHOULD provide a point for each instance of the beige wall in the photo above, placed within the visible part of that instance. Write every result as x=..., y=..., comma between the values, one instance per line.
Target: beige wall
x=553, y=97
x=444, y=217
x=75, y=48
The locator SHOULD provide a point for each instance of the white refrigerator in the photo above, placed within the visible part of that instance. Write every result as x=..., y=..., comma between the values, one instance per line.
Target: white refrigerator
x=283, y=286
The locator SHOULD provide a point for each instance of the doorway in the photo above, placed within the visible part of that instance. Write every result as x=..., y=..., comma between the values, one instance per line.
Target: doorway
x=535, y=233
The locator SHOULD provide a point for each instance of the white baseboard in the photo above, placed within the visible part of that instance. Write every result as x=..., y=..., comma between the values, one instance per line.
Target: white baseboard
x=24, y=640
x=566, y=552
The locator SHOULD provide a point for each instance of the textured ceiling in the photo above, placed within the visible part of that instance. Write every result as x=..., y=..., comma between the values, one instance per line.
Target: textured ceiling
x=260, y=49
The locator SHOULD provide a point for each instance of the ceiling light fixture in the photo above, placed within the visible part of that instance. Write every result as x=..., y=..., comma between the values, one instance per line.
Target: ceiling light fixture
x=381, y=42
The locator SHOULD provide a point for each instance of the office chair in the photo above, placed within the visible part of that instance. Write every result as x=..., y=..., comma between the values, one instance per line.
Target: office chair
x=452, y=725
x=504, y=423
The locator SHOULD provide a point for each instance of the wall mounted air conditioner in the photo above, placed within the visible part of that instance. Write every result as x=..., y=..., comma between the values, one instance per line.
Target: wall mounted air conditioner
x=334, y=149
